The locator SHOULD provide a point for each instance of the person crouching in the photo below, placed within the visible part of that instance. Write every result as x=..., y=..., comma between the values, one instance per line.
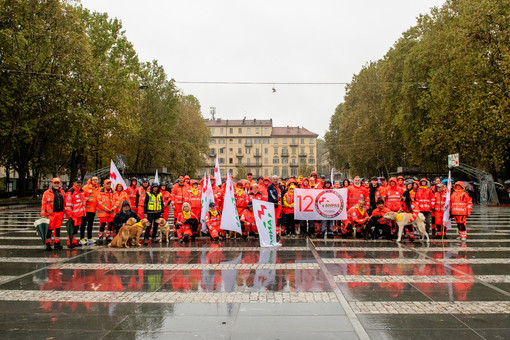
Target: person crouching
x=187, y=223
x=213, y=222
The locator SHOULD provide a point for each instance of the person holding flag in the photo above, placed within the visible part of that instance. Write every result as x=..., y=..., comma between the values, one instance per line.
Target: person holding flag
x=207, y=198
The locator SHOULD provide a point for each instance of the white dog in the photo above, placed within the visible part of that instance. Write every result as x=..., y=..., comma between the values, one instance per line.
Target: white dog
x=403, y=219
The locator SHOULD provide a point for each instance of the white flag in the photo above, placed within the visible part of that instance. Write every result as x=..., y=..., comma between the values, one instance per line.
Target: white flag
x=446, y=214
x=156, y=178
x=207, y=197
x=332, y=180
x=229, y=217
x=115, y=176
x=266, y=223
x=217, y=173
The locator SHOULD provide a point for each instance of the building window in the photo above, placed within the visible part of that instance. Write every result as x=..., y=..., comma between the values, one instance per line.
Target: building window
x=221, y=131
x=221, y=150
x=266, y=131
x=257, y=172
x=221, y=141
x=311, y=161
x=213, y=151
x=311, y=140
x=285, y=172
x=230, y=161
x=266, y=172
x=266, y=160
x=293, y=160
x=311, y=151
x=257, y=131
x=221, y=160
x=240, y=140
x=302, y=151
x=212, y=131
x=231, y=130
x=230, y=139
x=248, y=150
x=248, y=161
x=293, y=172
x=257, y=140
x=266, y=140
x=302, y=160
x=302, y=141
x=284, y=140
x=230, y=149
x=293, y=140
x=213, y=140
x=275, y=151
x=266, y=151
x=240, y=130
x=248, y=130
x=276, y=171
x=239, y=150
x=294, y=151
x=276, y=161
x=285, y=160
x=275, y=141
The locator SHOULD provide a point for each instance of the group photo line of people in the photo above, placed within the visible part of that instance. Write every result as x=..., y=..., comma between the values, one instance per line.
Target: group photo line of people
x=148, y=206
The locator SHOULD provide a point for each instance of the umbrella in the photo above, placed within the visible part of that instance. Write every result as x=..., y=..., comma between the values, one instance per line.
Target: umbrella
x=70, y=229
x=507, y=181
x=42, y=225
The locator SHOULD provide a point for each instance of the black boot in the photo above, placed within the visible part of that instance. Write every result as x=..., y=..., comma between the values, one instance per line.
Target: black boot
x=57, y=245
x=48, y=246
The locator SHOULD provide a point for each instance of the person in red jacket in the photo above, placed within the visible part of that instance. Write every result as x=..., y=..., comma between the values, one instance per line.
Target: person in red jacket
x=166, y=199
x=131, y=190
x=140, y=197
x=75, y=210
x=91, y=191
x=357, y=216
x=381, y=225
x=425, y=200
x=179, y=196
x=393, y=197
x=254, y=194
x=106, y=212
x=213, y=222
x=381, y=190
x=195, y=198
x=357, y=192
x=52, y=207
x=439, y=201
x=288, y=211
x=248, y=222
x=305, y=183
x=263, y=188
x=241, y=198
x=119, y=196
x=461, y=205
x=409, y=205
x=187, y=223
x=401, y=182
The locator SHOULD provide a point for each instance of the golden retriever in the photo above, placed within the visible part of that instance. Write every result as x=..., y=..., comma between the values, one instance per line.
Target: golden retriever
x=130, y=233
x=164, y=229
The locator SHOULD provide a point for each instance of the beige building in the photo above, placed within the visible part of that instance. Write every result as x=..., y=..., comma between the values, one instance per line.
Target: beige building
x=263, y=149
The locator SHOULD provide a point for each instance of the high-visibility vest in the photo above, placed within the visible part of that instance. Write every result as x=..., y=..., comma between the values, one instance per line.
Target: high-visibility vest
x=155, y=202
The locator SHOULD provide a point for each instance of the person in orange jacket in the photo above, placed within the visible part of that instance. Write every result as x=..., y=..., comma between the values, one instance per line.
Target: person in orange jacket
x=305, y=183
x=381, y=190
x=357, y=216
x=461, y=205
x=105, y=212
x=357, y=192
x=439, y=202
x=425, y=198
x=131, y=190
x=75, y=210
x=254, y=194
x=119, y=196
x=179, y=196
x=187, y=181
x=288, y=211
x=382, y=226
x=167, y=196
x=409, y=205
x=263, y=188
x=393, y=197
x=52, y=207
x=91, y=191
x=241, y=198
x=248, y=224
x=213, y=222
x=401, y=182
x=187, y=223
x=141, y=193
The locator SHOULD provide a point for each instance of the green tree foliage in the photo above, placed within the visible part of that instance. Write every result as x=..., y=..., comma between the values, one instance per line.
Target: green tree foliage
x=442, y=88
x=71, y=97
x=241, y=173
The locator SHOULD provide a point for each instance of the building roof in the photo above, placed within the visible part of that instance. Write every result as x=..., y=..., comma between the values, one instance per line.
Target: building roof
x=292, y=131
x=238, y=122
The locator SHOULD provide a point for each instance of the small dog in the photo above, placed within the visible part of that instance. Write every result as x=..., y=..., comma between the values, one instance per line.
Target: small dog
x=402, y=220
x=130, y=233
x=164, y=230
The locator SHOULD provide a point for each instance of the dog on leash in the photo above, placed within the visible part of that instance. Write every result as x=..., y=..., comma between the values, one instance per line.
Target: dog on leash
x=404, y=219
x=164, y=230
x=130, y=233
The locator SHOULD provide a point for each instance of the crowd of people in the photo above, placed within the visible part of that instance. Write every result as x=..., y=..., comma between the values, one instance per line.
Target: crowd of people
x=368, y=200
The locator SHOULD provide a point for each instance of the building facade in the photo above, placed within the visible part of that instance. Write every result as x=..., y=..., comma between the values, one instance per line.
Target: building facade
x=262, y=149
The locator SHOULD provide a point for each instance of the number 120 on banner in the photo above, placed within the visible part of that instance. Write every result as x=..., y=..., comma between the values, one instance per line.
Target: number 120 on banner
x=328, y=204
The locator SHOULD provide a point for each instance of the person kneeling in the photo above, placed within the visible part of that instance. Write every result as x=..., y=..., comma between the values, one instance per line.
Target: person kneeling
x=213, y=221
x=187, y=224
x=358, y=216
x=378, y=227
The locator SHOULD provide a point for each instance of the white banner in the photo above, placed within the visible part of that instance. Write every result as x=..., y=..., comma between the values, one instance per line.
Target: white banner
x=217, y=172
x=156, y=177
x=327, y=204
x=207, y=197
x=115, y=176
x=266, y=223
x=229, y=217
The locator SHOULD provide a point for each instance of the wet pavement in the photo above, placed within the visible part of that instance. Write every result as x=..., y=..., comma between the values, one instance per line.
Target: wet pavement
x=316, y=289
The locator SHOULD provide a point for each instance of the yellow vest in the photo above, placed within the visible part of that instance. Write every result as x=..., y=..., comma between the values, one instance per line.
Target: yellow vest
x=155, y=202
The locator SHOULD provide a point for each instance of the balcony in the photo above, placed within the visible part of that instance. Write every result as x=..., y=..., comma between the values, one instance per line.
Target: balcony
x=302, y=155
x=257, y=155
x=294, y=144
x=294, y=165
x=285, y=154
x=213, y=155
x=248, y=144
x=239, y=154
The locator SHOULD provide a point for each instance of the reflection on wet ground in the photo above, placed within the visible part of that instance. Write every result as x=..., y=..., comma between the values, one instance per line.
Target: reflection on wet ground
x=234, y=289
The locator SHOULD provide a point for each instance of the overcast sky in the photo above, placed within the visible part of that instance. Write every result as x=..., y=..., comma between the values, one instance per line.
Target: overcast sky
x=265, y=41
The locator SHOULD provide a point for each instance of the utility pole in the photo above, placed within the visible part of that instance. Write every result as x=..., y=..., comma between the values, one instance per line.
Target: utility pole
x=213, y=111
